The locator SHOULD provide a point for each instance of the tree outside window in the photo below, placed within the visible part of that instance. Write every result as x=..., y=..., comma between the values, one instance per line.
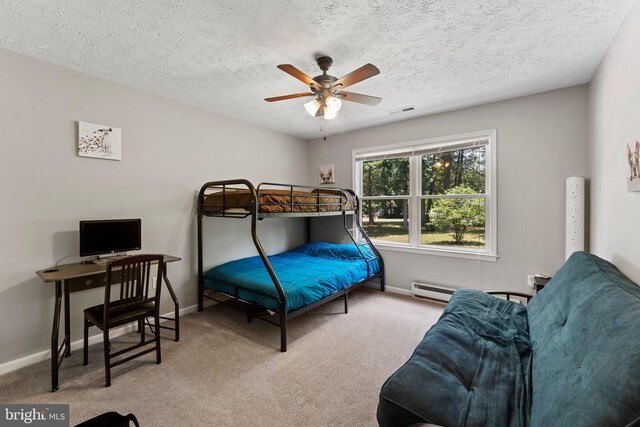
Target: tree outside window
x=452, y=202
x=386, y=199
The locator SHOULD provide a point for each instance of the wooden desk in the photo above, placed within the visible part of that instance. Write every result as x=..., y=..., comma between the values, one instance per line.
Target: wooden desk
x=78, y=277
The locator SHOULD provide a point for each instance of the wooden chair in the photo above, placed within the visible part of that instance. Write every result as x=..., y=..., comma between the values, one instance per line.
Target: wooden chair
x=136, y=302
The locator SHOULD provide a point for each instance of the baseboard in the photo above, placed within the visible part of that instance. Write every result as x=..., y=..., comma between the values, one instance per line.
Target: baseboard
x=191, y=309
x=396, y=290
x=387, y=288
x=16, y=364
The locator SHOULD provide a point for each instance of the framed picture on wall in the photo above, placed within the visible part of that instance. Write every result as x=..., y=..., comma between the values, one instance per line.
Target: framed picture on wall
x=99, y=141
x=327, y=174
x=633, y=157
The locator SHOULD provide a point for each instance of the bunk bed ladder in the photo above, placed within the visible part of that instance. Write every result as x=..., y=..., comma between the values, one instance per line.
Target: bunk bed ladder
x=367, y=242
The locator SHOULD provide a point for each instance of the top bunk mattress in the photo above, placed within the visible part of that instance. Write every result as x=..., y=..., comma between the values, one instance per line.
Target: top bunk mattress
x=307, y=274
x=278, y=201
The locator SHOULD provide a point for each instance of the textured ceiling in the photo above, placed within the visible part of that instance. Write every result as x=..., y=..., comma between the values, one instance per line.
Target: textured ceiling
x=435, y=55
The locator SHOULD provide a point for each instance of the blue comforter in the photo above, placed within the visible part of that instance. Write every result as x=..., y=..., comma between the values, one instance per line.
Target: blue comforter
x=307, y=274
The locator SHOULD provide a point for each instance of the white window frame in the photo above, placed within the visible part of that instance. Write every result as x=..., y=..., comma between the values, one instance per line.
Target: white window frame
x=412, y=149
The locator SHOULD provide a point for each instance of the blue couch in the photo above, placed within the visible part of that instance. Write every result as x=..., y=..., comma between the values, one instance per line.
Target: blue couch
x=570, y=358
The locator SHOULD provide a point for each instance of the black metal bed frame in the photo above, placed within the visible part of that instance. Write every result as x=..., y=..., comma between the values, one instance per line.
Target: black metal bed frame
x=508, y=295
x=252, y=209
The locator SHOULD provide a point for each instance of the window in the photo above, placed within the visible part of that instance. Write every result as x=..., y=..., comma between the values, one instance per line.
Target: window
x=385, y=199
x=433, y=196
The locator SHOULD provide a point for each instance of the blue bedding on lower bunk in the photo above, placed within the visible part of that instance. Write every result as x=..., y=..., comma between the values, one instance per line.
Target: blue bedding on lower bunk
x=307, y=274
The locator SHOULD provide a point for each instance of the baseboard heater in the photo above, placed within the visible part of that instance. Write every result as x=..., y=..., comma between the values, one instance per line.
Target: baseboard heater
x=430, y=291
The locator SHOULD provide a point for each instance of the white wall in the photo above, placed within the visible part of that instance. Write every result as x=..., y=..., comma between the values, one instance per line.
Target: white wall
x=169, y=150
x=542, y=140
x=614, y=116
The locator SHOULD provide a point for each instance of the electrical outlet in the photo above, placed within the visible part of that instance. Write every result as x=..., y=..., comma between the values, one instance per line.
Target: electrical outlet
x=153, y=283
x=531, y=281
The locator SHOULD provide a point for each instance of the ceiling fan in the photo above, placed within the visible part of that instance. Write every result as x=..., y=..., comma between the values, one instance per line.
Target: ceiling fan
x=328, y=90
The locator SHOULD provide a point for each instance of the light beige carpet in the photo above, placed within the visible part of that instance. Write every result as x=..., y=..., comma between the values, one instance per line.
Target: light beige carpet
x=225, y=372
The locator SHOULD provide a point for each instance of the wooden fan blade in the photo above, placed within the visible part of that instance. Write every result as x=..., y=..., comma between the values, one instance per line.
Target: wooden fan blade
x=356, y=76
x=293, y=71
x=292, y=96
x=359, y=98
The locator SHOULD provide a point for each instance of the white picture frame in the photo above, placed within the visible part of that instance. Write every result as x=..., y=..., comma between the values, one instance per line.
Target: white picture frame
x=99, y=141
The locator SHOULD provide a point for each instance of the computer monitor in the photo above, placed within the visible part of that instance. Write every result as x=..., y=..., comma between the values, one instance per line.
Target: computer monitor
x=108, y=236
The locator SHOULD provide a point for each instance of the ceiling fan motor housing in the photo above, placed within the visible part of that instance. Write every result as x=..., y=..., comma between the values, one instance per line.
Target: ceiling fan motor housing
x=324, y=62
x=324, y=79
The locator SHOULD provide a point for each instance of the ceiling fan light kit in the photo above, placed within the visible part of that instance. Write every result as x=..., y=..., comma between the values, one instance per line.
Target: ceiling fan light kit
x=329, y=114
x=333, y=103
x=327, y=90
x=328, y=108
x=312, y=106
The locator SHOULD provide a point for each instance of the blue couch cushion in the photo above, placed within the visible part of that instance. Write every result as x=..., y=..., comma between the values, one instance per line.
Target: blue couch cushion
x=472, y=368
x=585, y=335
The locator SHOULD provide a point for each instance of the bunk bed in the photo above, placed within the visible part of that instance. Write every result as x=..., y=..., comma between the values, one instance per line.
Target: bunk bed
x=294, y=282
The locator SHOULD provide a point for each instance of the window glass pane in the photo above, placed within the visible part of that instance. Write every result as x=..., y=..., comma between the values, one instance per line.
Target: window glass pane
x=386, y=220
x=388, y=177
x=455, y=223
x=454, y=172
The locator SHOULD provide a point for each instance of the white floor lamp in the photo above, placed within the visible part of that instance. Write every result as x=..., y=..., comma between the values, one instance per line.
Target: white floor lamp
x=575, y=215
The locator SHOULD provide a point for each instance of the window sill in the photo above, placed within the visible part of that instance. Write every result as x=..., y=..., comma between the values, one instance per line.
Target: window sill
x=478, y=256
